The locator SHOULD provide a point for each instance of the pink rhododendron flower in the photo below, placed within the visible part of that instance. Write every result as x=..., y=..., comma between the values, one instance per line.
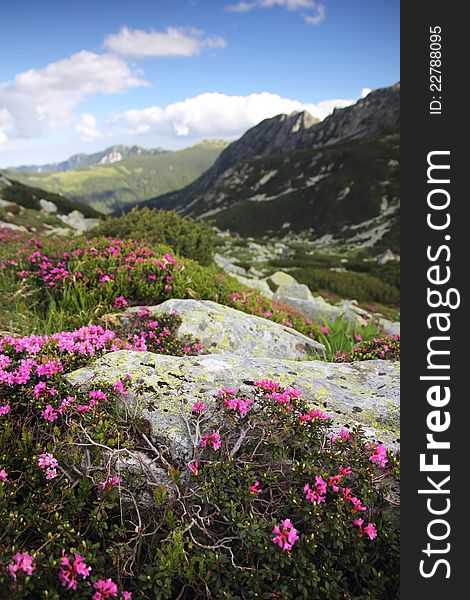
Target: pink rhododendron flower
x=69, y=569
x=213, y=440
x=254, y=489
x=318, y=493
x=198, y=407
x=3, y=475
x=105, y=588
x=51, y=473
x=126, y=595
x=22, y=563
x=324, y=330
x=286, y=535
x=194, y=466
x=47, y=460
x=357, y=337
x=380, y=455
x=344, y=434
x=120, y=302
x=371, y=531
x=5, y=409
x=50, y=414
x=109, y=483
x=98, y=395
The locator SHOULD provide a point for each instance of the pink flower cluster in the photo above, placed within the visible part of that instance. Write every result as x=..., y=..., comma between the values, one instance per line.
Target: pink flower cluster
x=239, y=405
x=318, y=493
x=3, y=475
x=255, y=489
x=313, y=414
x=370, y=530
x=380, y=455
x=110, y=483
x=211, y=440
x=198, y=407
x=344, y=435
x=22, y=563
x=70, y=569
x=47, y=462
x=286, y=535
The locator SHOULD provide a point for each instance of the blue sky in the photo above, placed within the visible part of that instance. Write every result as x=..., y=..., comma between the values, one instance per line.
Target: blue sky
x=77, y=77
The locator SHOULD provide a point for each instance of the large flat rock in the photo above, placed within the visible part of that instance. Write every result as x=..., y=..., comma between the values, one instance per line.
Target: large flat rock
x=351, y=393
x=222, y=329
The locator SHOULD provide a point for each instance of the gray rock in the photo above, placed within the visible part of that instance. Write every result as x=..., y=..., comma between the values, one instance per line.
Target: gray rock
x=386, y=257
x=293, y=290
x=5, y=225
x=5, y=181
x=47, y=206
x=257, y=284
x=280, y=278
x=228, y=266
x=77, y=221
x=351, y=393
x=390, y=327
x=222, y=329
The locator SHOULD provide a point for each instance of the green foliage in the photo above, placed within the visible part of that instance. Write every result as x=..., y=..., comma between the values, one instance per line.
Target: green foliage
x=340, y=336
x=349, y=284
x=184, y=235
x=383, y=348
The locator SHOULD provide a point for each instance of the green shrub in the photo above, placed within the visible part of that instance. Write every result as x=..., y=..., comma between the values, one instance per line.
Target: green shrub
x=185, y=236
x=349, y=284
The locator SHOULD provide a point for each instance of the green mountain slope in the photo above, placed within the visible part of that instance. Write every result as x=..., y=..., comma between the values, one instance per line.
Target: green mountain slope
x=110, y=187
x=332, y=183
x=348, y=192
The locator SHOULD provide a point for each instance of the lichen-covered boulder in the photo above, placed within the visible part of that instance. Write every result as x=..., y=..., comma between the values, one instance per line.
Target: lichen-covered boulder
x=293, y=290
x=280, y=278
x=166, y=387
x=222, y=329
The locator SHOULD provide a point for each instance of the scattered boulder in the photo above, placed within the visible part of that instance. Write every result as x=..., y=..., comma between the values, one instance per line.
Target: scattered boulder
x=257, y=284
x=390, y=327
x=222, y=329
x=5, y=225
x=166, y=387
x=280, y=278
x=47, y=206
x=76, y=220
x=386, y=257
x=228, y=266
x=293, y=290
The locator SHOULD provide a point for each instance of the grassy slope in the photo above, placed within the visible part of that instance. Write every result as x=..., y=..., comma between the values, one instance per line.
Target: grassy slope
x=109, y=187
x=29, y=197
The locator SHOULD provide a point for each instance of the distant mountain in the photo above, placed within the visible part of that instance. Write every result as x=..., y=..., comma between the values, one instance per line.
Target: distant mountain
x=293, y=174
x=109, y=156
x=111, y=183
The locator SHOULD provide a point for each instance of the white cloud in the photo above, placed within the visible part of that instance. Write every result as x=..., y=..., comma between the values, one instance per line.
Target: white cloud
x=42, y=101
x=216, y=115
x=365, y=92
x=86, y=126
x=317, y=16
x=5, y=123
x=175, y=41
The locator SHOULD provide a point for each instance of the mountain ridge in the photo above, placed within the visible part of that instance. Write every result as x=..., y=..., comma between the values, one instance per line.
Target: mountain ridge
x=284, y=133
